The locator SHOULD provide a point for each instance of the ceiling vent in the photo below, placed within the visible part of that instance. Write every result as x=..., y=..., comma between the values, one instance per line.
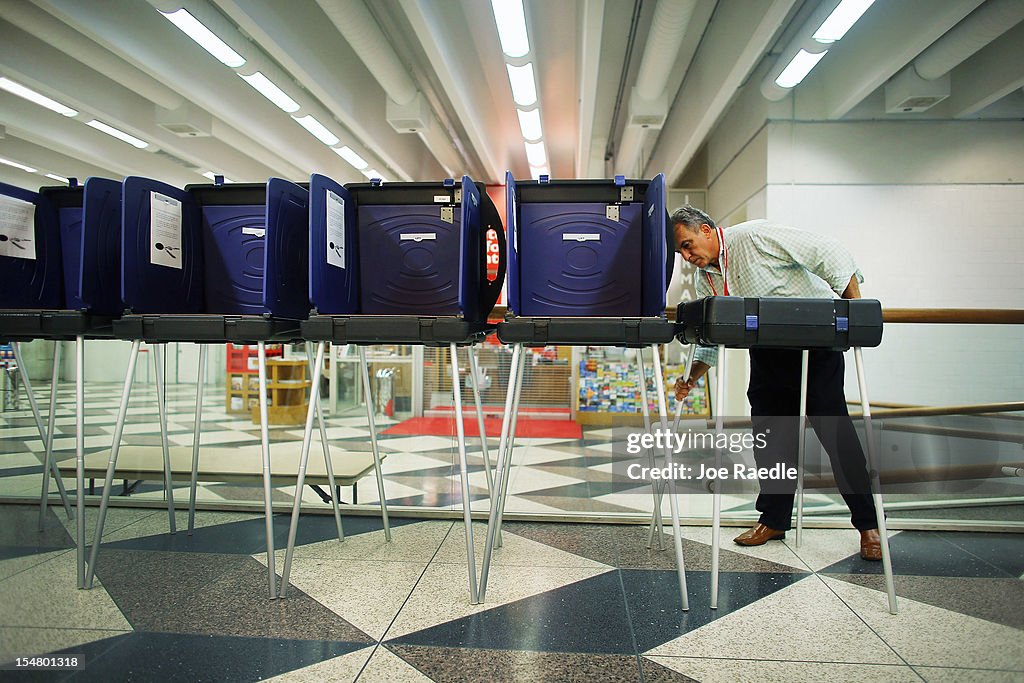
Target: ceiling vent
x=644, y=113
x=908, y=93
x=413, y=117
x=187, y=121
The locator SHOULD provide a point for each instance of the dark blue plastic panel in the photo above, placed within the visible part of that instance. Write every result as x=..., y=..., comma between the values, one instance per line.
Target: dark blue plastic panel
x=574, y=261
x=512, y=221
x=286, y=266
x=100, y=275
x=233, y=246
x=34, y=283
x=655, y=249
x=151, y=288
x=474, y=240
x=333, y=287
x=410, y=260
x=70, y=220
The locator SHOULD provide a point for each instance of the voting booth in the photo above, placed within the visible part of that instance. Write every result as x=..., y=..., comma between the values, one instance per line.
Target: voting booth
x=789, y=323
x=402, y=263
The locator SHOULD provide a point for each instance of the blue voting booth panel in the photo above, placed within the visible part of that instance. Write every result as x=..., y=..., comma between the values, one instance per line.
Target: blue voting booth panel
x=512, y=221
x=99, y=279
x=410, y=259
x=574, y=261
x=233, y=239
x=148, y=287
x=334, y=281
x=658, y=249
x=472, y=250
x=33, y=283
x=286, y=253
x=70, y=221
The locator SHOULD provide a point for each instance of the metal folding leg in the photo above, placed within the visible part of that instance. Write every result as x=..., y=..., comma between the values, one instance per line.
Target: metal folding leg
x=467, y=514
x=300, y=477
x=716, y=498
x=673, y=499
x=500, y=467
x=801, y=447
x=314, y=373
x=510, y=445
x=657, y=526
x=876, y=484
x=474, y=372
x=108, y=481
x=196, y=429
x=161, y=403
x=268, y=508
x=368, y=396
x=43, y=433
x=48, y=462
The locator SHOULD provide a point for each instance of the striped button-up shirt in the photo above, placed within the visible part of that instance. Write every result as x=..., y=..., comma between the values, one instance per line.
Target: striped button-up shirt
x=768, y=259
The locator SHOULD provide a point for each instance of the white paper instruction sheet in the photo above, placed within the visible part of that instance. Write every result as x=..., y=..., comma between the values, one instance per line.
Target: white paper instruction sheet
x=164, y=231
x=17, y=228
x=335, y=230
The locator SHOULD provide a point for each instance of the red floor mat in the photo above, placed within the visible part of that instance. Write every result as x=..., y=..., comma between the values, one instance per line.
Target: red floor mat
x=525, y=427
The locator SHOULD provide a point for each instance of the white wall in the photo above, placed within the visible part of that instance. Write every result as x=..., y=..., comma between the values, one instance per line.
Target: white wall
x=933, y=212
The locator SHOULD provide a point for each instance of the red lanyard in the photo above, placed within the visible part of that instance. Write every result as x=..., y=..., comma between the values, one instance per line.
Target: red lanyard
x=723, y=260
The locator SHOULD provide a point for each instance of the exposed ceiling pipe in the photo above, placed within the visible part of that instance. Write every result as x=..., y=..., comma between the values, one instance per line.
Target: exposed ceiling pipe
x=359, y=28
x=52, y=30
x=980, y=28
x=191, y=72
x=648, y=101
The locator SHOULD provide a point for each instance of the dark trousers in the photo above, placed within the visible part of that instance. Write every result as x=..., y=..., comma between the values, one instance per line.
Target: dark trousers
x=774, y=394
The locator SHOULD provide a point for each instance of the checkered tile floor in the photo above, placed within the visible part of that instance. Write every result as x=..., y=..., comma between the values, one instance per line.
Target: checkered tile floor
x=565, y=602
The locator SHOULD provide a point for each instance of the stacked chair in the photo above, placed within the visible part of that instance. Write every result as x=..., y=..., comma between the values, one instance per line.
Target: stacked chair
x=59, y=281
x=401, y=263
x=589, y=263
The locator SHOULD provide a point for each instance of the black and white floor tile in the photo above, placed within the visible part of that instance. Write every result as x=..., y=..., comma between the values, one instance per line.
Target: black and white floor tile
x=565, y=602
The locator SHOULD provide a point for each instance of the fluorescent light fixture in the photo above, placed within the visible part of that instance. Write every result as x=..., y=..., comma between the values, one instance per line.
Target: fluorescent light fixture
x=317, y=130
x=206, y=38
x=351, y=157
x=511, y=22
x=529, y=123
x=58, y=178
x=842, y=18
x=273, y=93
x=15, y=164
x=119, y=134
x=524, y=88
x=374, y=173
x=535, y=154
x=537, y=172
x=798, y=68
x=32, y=96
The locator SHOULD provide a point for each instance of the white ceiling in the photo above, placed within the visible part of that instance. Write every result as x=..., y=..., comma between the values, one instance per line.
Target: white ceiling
x=122, y=62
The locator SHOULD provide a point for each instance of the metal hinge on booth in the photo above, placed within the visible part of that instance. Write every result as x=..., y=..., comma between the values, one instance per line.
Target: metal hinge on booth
x=611, y=212
x=447, y=214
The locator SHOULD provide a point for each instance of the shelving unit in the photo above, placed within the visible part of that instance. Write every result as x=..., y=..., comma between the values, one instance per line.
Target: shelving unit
x=287, y=387
x=242, y=380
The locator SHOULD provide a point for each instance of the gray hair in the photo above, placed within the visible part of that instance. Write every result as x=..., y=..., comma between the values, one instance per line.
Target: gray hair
x=691, y=217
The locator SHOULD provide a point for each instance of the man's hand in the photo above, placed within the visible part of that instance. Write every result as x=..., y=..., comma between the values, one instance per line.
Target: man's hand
x=852, y=290
x=683, y=387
